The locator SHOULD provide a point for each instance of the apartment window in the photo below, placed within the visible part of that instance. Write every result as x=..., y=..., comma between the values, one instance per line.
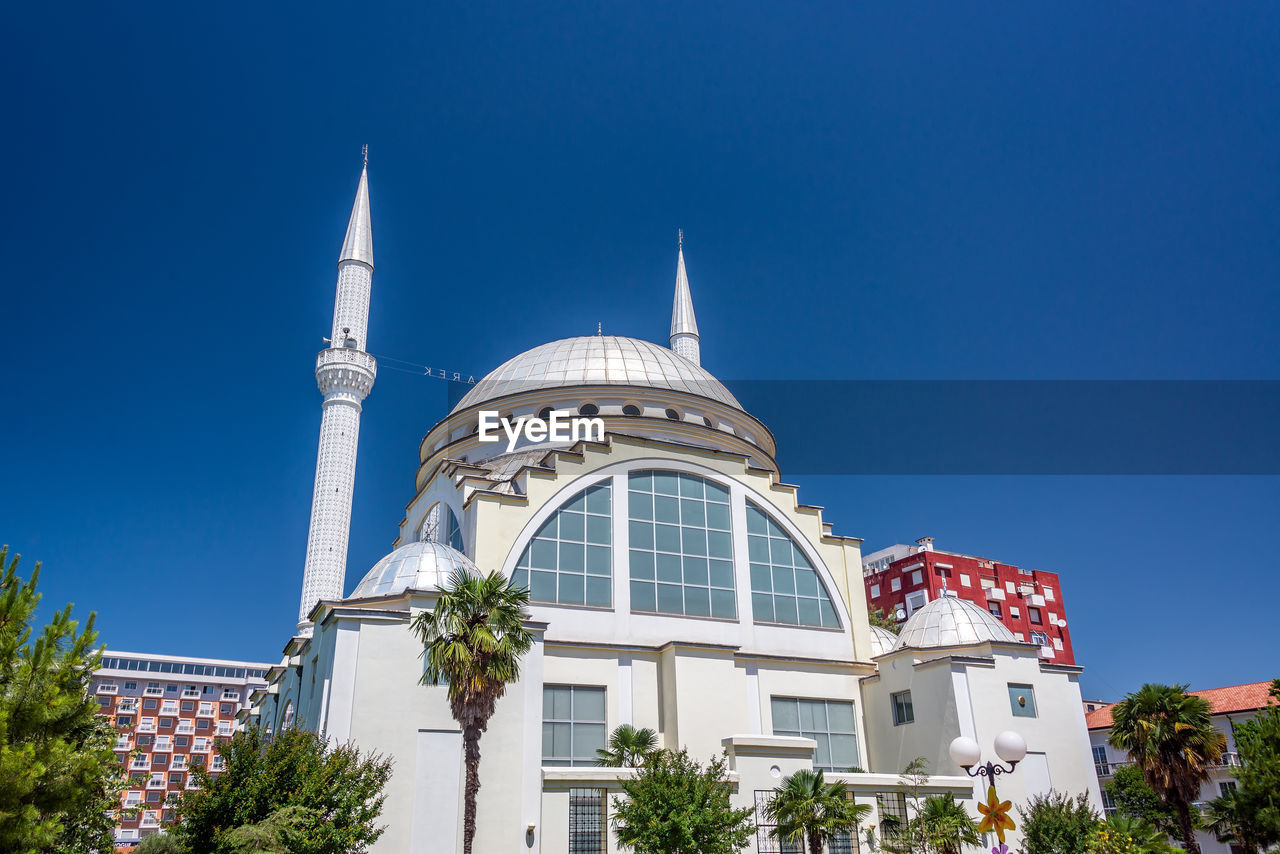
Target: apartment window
x=895, y=584
x=1100, y=761
x=1053, y=619
x=965, y=581
x=573, y=724
x=124, y=720
x=159, y=760
x=165, y=723
x=131, y=686
x=570, y=559
x=144, y=741
x=903, y=712
x=202, y=723
x=917, y=577
x=587, y=821
x=1009, y=587
x=150, y=704
x=153, y=797
x=1022, y=700
x=227, y=709
x=1226, y=786
x=994, y=608
x=175, y=780
x=1039, y=639
x=1048, y=593
x=767, y=840
x=875, y=591
x=828, y=722
x=1014, y=612
x=181, y=740
x=1057, y=644
x=1034, y=615
x=1108, y=805
x=916, y=601
x=188, y=706
x=681, y=553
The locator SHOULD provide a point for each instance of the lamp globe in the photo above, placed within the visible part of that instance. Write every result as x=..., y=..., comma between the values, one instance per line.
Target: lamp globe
x=1010, y=746
x=965, y=752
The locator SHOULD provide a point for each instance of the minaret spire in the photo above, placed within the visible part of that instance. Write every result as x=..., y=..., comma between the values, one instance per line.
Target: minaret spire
x=345, y=373
x=684, y=326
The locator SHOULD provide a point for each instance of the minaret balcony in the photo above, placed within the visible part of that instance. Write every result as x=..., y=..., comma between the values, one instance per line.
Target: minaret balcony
x=345, y=369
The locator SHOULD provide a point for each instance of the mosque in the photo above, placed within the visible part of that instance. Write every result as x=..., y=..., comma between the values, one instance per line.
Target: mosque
x=677, y=583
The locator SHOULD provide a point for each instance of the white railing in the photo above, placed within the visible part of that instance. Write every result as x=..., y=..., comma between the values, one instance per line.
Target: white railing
x=179, y=763
x=153, y=692
x=1228, y=760
x=189, y=694
x=127, y=705
x=169, y=707
x=185, y=727
x=149, y=819
x=146, y=727
x=123, y=743
x=108, y=689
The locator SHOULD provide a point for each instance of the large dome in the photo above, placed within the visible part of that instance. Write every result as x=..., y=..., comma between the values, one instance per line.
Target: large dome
x=414, y=566
x=597, y=360
x=951, y=621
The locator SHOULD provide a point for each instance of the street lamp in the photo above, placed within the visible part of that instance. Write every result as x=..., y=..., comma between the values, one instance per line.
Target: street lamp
x=966, y=753
x=1009, y=746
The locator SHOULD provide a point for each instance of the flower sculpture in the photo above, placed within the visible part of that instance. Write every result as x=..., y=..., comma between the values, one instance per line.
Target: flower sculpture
x=995, y=816
x=1000, y=849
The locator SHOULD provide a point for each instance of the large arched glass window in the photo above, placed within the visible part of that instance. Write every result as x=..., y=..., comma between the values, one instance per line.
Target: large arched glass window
x=441, y=521
x=681, y=545
x=569, y=561
x=785, y=587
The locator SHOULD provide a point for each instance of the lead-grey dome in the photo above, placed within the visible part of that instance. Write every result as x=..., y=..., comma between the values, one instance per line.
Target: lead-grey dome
x=597, y=360
x=951, y=621
x=414, y=566
x=882, y=641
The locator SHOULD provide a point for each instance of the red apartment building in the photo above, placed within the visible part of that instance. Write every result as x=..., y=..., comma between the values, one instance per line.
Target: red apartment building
x=169, y=712
x=901, y=579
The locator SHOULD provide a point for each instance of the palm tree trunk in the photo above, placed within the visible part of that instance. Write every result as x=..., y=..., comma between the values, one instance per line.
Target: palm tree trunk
x=471, y=758
x=1188, y=832
x=815, y=843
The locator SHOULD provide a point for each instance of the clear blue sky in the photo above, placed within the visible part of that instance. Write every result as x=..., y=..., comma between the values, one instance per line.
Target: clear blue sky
x=869, y=191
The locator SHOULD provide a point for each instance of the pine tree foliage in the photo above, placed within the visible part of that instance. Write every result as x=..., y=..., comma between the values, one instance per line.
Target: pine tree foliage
x=58, y=772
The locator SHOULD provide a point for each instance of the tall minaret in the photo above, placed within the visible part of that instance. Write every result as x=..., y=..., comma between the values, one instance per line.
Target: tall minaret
x=684, y=326
x=345, y=374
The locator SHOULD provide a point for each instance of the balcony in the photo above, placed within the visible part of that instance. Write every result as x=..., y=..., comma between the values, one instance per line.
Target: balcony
x=228, y=694
x=108, y=689
x=995, y=593
x=156, y=784
x=123, y=742
x=186, y=727
x=1228, y=760
x=190, y=694
x=149, y=819
x=169, y=707
x=147, y=727
x=1037, y=600
x=1106, y=769
x=127, y=706
x=140, y=763
x=179, y=763
x=131, y=802
x=153, y=692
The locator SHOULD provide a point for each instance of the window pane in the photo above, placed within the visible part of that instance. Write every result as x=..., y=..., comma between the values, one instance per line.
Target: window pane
x=588, y=704
x=641, y=564
x=786, y=715
x=599, y=591
x=643, y=596
x=572, y=589
x=840, y=716
x=559, y=557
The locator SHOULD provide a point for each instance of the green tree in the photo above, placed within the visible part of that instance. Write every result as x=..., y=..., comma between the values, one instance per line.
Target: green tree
x=879, y=618
x=674, y=805
x=1254, y=808
x=808, y=810
x=628, y=747
x=336, y=793
x=945, y=825
x=474, y=639
x=1230, y=819
x=1170, y=737
x=1056, y=823
x=1132, y=797
x=907, y=837
x=159, y=843
x=58, y=773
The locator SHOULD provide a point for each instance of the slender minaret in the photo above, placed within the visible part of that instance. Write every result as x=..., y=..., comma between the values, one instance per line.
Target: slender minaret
x=684, y=326
x=345, y=374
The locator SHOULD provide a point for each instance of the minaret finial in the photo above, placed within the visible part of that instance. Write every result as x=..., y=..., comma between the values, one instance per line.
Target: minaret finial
x=599, y=328
x=680, y=238
x=358, y=244
x=365, y=151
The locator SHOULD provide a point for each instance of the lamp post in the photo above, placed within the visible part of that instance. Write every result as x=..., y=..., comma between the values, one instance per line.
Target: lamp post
x=966, y=753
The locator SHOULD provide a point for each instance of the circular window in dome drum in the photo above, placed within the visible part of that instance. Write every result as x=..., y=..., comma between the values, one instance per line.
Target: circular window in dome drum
x=631, y=409
x=588, y=409
x=673, y=415
x=545, y=413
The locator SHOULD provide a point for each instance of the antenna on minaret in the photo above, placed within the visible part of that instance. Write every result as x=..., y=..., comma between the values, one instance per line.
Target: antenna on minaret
x=599, y=328
x=679, y=238
x=365, y=151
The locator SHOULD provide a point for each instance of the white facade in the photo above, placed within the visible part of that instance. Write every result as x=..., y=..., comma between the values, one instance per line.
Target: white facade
x=677, y=583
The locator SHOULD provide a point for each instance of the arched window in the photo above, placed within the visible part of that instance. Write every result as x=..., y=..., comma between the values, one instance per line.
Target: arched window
x=631, y=409
x=286, y=720
x=785, y=587
x=440, y=519
x=570, y=560
x=681, y=545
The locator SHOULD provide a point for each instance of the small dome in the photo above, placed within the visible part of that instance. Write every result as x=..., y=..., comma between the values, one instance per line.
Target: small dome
x=604, y=360
x=951, y=621
x=882, y=640
x=415, y=566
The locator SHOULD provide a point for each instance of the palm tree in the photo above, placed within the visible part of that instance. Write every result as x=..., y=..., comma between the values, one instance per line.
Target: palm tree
x=807, y=809
x=946, y=826
x=473, y=640
x=1233, y=824
x=1169, y=736
x=628, y=747
x=1144, y=835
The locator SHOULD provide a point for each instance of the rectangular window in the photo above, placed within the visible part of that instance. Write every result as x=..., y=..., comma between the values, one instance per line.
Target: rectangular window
x=188, y=706
x=1033, y=614
x=903, y=713
x=1048, y=593
x=202, y=723
x=573, y=724
x=587, y=821
x=175, y=780
x=875, y=591
x=828, y=722
x=150, y=704
x=1009, y=586
x=681, y=545
x=767, y=841
x=893, y=812
x=994, y=607
x=1039, y=639
x=987, y=582
x=227, y=709
x=1226, y=786
x=1108, y=805
x=1100, y=764
x=964, y=580
x=895, y=584
x=1022, y=700
x=917, y=577
x=1014, y=612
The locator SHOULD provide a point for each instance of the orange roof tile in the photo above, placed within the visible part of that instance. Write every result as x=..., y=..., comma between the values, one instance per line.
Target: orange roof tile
x=1234, y=698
